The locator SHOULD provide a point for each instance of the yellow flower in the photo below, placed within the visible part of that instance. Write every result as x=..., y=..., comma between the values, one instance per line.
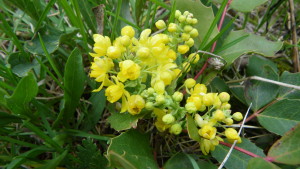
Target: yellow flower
x=208, y=132
x=159, y=124
x=135, y=104
x=231, y=134
x=196, y=100
x=190, y=82
x=128, y=30
x=115, y=92
x=114, y=52
x=129, y=70
x=209, y=145
x=199, y=89
x=182, y=49
x=160, y=24
x=159, y=87
x=101, y=45
x=100, y=67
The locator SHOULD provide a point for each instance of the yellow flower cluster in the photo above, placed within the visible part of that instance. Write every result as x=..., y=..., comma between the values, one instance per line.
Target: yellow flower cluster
x=142, y=73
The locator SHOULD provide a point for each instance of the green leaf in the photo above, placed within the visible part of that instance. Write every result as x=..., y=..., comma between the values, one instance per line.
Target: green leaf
x=290, y=78
x=246, y=5
x=90, y=156
x=251, y=44
x=6, y=118
x=3, y=93
x=237, y=160
x=54, y=162
x=181, y=160
x=281, y=116
x=25, y=91
x=33, y=8
x=52, y=39
x=74, y=78
x=204, y=15
x=98, y=101
x=258, y=92
x=19, y=160
x=123, y=121
x=19, y=64
x=287, y=149
x=259, y=163
x=206, y=165
x=192, y=128
x=131, y=150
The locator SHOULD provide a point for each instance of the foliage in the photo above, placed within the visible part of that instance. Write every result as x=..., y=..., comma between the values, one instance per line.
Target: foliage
x=53, y=116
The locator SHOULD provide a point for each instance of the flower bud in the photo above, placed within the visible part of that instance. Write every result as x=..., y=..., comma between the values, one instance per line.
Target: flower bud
x=149, y=106
x=159, y=87
x=177, y=14
x=160, y=99
x=168, y=118
x=182, y=49
x=239, y=140
x=190, y=82
x=194, y=58
x=199, y=120
x=237, y=116
x=208, y=99
x=113, y=52
x=175, y=129
x=231, y=134
x=143, y=52
x=224, y=97
x=190, y=42
x=185, y=36
x=189, y=20
x=186, y=13
x=219, y=115
x=225, y=106
x=228, y=121
x=172, y=27
x=177, y=96
x=181, y=18
x=190, y=107
x=187, y=28
x=160, y=24
x=125, y=40
x=150, y=90
x=194, y=21
x=128, y=30
x=194, y=33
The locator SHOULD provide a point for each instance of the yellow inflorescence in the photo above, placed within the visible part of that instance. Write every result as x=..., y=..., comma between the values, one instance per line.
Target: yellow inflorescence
x=142, y=73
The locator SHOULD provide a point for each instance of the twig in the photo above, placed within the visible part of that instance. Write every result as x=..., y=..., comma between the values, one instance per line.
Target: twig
x=234, y=143
x=294, y=37
x=215, y=43
x=99, y=14
x=240, y=149
x=266, y=80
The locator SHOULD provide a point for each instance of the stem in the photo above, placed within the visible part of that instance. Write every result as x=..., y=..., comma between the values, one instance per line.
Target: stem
x=215, y=43
x=260, y=110
x=240, y=149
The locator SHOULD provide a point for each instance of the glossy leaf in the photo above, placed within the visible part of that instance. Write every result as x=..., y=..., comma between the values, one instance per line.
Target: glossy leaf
x=123, y=121
x=251, y=44
x=98, y=101
x=237, y=160
x=25, y=91
x=52, y=40
x=192, y=128
x=281, y=116
x=289, y=78
x=131, y=150
x=74, y=79
x=257, y=92
x=259, y=163
x=287, y=149
x=246, y=5
x=181, y=160
x=201, y=12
